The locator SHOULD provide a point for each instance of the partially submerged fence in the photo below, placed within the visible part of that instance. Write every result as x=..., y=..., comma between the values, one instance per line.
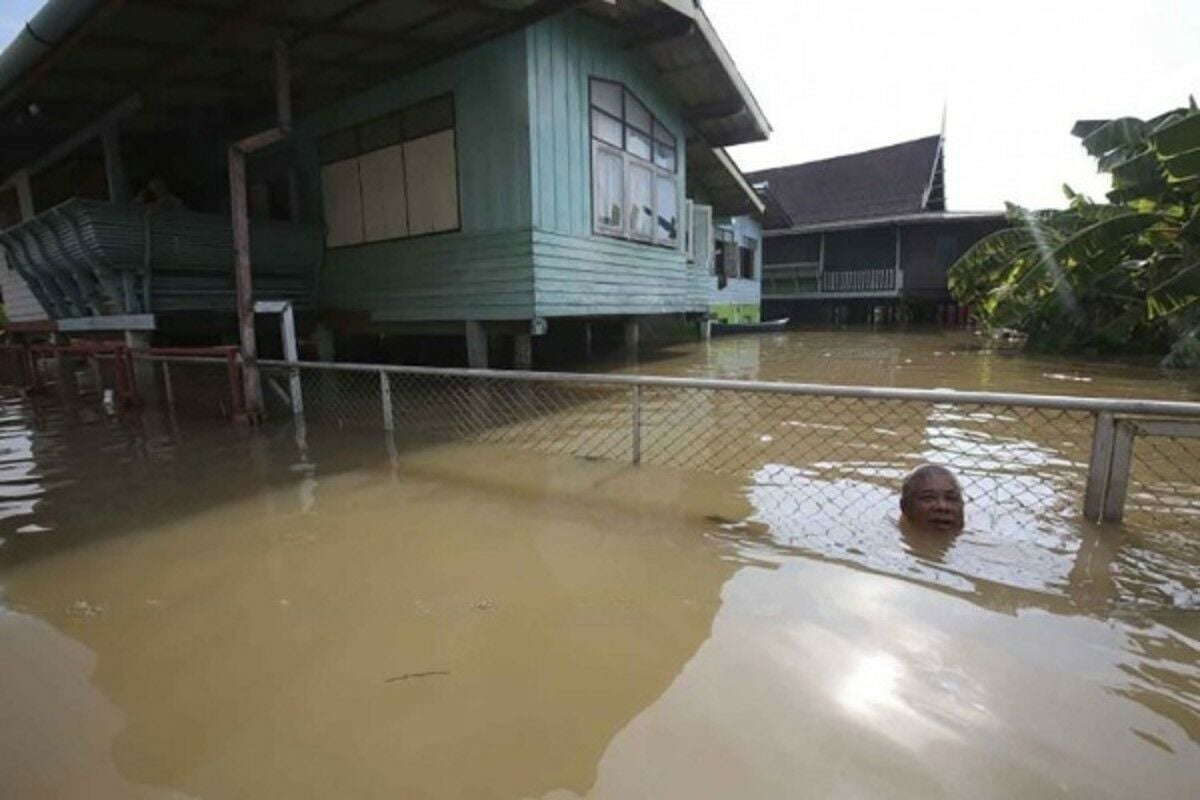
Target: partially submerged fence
x=1049, y=457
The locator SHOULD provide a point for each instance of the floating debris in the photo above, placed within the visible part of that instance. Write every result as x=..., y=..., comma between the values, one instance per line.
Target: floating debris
x=408, y=675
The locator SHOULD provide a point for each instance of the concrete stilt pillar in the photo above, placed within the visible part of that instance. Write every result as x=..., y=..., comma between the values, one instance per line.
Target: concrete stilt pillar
x=325, y=347
x=705, y=329
x=477, y=345
x=326, y=352
x=143, y=369
x=64, y=368
x=587, y=340
x=522, y=351
x=633, y=335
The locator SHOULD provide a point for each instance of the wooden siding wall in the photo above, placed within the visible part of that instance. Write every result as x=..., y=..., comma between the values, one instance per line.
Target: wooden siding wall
x=923, y=277
x=485, y=270
x=863, y=248
x=576, y=271
x=793, y=249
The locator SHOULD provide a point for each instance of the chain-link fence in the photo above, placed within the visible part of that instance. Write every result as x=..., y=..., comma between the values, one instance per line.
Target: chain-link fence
x=1020, y=458
x=810, y=450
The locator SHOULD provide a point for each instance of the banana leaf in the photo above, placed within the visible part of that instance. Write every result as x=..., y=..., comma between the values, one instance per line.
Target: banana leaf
x=1183, y=166
x=1178, y=137
x=1122, y=132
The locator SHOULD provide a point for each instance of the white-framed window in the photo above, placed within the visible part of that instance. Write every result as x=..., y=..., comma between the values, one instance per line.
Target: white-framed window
x=392, y=177
x=635, y=166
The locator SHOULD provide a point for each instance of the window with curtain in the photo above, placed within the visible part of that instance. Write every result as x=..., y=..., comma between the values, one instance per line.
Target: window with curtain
x=392, y=177
x=635, y=184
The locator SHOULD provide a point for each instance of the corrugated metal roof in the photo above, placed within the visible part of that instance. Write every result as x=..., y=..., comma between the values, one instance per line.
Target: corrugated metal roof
x=885, y=182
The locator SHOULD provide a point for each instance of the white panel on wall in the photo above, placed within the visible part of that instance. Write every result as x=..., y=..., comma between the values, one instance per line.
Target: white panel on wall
x=19, y=303
x=432, y=183
x=343, y=203
x=385, y=211
x=702, y=237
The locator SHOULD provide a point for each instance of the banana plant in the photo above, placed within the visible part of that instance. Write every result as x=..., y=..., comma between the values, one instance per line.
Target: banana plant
x=1117, y=276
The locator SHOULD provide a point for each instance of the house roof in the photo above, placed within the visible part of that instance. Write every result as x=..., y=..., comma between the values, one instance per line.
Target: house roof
x=891, y=181
x=711, y=174
x=77, y=60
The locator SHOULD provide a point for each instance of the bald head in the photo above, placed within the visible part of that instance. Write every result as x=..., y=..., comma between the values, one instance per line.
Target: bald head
x=931, y=499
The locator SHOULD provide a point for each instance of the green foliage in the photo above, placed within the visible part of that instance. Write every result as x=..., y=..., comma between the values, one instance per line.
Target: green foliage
x=1121, y=276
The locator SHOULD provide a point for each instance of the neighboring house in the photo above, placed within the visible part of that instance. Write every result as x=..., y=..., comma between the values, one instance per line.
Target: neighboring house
x=865, y=236
x=734, y=293
x=479, y=169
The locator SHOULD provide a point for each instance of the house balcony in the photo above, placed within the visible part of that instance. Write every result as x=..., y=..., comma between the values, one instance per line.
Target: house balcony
x=100, y=266
x=807, y=281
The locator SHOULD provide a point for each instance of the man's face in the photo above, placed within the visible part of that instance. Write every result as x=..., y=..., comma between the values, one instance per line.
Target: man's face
x=936, y=504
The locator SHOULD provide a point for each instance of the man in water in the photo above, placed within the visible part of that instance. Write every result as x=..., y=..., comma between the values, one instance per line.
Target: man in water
x=931, y=501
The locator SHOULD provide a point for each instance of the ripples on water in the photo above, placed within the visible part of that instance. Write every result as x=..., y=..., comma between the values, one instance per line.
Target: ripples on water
x=743, y=634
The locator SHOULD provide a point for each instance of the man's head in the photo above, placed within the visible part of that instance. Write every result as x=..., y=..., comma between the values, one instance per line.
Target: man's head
x=931, y=499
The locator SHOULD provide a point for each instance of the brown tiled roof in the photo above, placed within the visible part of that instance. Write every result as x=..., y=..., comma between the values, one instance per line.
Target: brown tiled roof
x=876, y=183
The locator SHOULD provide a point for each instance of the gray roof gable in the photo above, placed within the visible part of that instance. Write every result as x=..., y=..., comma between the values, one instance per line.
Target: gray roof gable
x=902, y=178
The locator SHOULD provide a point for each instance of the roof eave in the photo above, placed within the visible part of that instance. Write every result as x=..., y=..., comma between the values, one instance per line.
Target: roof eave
x=762, y=128
x=756, y=202
x=895, y=219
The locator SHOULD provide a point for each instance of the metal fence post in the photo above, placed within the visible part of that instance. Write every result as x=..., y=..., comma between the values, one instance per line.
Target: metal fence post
x=1118, y=472
x=636, y=422
x=385, y=394
x=1097, y=478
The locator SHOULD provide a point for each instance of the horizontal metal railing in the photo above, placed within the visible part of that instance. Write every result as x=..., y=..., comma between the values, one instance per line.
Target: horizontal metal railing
x=1129, y=406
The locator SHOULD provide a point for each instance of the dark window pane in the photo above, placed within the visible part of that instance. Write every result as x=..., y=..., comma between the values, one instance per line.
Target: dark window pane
x=746, y=262
x=380, y=133
x=605, y=128
x=662, y=134
x=946, y=251
x=636, y=114
x=339, y=145
x=607, y=95
x=428, y=117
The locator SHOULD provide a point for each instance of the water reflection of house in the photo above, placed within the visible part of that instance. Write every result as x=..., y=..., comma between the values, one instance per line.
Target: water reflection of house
x=486, y=169
x=865, y=235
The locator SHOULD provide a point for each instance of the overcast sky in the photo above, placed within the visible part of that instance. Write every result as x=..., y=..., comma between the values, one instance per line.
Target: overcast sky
x=838, y=77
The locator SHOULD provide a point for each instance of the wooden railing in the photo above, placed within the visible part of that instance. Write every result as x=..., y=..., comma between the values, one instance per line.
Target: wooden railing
x=807, y=278
x=859, y=280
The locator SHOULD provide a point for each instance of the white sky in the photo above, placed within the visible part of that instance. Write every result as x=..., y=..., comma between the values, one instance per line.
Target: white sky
x=838, y=76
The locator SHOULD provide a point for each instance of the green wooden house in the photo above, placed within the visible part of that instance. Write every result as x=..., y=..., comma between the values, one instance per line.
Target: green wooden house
x=484, y=168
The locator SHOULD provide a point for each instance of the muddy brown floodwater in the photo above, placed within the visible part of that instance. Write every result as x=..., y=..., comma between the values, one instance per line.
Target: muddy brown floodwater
x=206, y=612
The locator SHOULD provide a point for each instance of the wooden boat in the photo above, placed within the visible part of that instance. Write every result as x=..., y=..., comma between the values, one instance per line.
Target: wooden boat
x=770, y=326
